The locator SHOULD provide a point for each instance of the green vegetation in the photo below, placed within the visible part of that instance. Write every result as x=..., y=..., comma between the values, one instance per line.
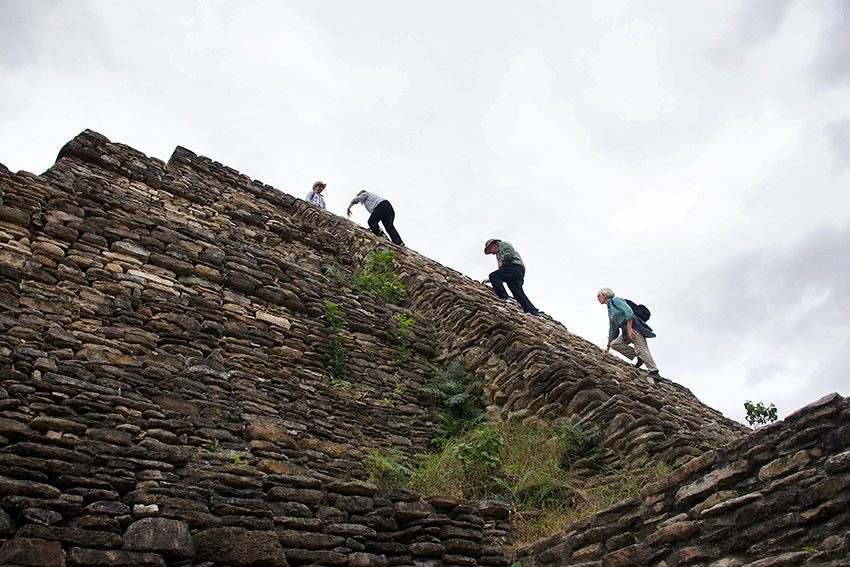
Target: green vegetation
x=758, y=415
x=355, y=389
x=576, y=443
x=461, y=399
x=388, y=467
x=378, y=277
x=405, y=325
x=339, y=274
x=541, y=471
x=483, y=447
x=339, y=356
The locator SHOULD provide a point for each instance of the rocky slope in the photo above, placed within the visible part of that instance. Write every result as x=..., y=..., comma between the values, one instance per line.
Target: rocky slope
x=168, y=398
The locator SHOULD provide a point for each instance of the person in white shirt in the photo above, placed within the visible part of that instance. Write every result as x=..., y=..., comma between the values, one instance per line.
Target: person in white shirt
x=315, y=196
x=380, y=211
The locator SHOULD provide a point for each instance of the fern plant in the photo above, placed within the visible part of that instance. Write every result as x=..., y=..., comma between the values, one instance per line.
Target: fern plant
x=576, y=443
x=461, y=399
x=388, y=467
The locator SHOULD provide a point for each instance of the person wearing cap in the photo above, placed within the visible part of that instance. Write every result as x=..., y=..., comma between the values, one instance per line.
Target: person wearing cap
x=380, y=210
x=511, y=272
x=634, y=330
x=315, y=196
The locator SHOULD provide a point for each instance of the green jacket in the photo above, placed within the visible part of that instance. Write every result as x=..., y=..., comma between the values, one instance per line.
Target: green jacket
x=507, y=255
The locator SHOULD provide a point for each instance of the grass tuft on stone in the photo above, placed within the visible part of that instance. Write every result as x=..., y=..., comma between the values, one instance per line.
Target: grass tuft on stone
x=542, y=473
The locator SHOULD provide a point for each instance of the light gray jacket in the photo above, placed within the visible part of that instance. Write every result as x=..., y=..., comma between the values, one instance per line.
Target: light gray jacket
x=369, y=200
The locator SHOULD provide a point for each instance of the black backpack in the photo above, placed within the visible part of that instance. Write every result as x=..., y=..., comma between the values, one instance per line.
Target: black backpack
x=640, y=311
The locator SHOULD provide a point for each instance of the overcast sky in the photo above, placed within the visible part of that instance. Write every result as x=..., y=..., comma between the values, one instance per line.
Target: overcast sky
x=693, y=156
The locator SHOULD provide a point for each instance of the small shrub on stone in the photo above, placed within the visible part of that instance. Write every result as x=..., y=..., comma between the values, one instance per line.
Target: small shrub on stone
x=758, y=415
x=480, y=456
x=378, y=277
x=482, y=448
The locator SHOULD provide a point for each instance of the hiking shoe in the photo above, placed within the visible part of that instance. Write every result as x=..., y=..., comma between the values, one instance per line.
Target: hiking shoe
x=653, y=374
x=504, y=299
x=536, y=314
x=639, y=362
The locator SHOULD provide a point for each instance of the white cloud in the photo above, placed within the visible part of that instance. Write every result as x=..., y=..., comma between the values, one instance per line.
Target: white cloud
x=654, y=209
x=628, y=72
x=609, y=9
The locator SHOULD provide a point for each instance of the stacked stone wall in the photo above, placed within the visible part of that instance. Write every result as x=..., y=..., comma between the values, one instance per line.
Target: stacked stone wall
x=167, y=392
x=780, y=497
x=166, y=387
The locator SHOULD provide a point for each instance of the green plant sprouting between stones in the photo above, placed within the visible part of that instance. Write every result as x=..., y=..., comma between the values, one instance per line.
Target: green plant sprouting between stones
x=355, y=389
x=339, y=274
x=338, y=355
x=758, y=415
x=402, y=335
x=378, y=277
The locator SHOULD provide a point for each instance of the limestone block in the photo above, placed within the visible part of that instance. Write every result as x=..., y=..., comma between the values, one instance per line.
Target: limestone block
x=25, y=552
x=14, y=216
x=11, y=260
x=239, y=548
x=161, y=535
x=713, y=481
x=274, y=319
x=304, y=496
x=130, y=249
x=782, y=466
x=308, y=540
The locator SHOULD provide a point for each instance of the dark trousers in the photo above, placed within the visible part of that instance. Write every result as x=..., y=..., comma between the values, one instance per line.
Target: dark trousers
x=513, y=275
x=384, y=213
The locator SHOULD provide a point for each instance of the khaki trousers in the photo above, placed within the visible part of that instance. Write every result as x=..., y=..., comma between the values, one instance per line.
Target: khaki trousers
x=641, y=349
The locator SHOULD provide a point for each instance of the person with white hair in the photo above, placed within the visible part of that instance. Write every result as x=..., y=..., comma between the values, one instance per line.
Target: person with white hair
x=634, y=330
